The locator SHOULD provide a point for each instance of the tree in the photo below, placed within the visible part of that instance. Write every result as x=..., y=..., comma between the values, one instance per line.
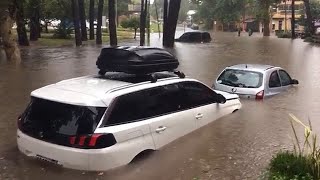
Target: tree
x=310, y=28
x=34, y=6
x=21, y=24
x=171, y=23
x=143, y=18
x=91, y=19
x=112, y=23
x=99, y=33
x=76, y=22
x=82, y=14
x=132, y=23
x=7, y=17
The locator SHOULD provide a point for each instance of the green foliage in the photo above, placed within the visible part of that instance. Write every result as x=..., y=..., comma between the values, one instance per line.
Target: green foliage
x=315, y=9
x=303, y=162
x=132, y=23
x=284, y=35
x=63, y=31
x=287, y=165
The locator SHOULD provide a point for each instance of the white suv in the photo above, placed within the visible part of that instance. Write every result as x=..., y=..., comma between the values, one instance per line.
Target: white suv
x=101, y=122
x=104, y=121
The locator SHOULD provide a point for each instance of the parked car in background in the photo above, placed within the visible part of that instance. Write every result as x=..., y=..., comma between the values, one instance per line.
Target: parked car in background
x=254, y=81
x=103, y=121
x=195, y=37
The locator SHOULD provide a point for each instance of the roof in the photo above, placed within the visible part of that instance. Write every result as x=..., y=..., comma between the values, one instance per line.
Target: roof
x=252, y=67
x=90, y=90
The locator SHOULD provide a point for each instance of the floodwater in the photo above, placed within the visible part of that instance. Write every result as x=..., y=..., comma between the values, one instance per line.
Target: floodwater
x=237, y=146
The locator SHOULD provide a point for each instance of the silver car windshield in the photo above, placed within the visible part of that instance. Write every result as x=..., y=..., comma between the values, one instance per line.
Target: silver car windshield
x=241, y=78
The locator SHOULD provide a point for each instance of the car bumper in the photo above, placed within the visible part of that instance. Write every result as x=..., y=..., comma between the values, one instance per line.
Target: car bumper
x=73, y=158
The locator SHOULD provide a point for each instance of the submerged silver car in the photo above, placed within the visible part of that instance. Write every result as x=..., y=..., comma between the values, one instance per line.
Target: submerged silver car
x=254, y=80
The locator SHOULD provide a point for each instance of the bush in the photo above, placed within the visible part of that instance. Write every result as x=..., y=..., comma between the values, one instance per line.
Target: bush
x=302, y=163
x=284, y=35
x=287, y=165
x=63, y=31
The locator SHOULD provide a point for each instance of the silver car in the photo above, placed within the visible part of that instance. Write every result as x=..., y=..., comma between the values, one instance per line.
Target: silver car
x=254, y=80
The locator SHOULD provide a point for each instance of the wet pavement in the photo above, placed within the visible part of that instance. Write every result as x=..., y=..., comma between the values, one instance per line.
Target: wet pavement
x=237, y=146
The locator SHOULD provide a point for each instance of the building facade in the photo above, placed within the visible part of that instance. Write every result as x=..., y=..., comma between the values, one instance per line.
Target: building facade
x=281, y=16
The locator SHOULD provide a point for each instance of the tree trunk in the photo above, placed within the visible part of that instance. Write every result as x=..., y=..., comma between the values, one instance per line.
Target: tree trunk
x=310, y=28
x=293, y=21
x=76, y=22
x=266, y=20
x=99, y=33
x=21, y=27
x=165, y=21
x=142, y=23
x=135, y=33
x=34, y=26
x=174, y=8
x=266, y=27
x=91, y=19
x=112, y=23
x=46, y=26
x=9, y=43
x=82, y=14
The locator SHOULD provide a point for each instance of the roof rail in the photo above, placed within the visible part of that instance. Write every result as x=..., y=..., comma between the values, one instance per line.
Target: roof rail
x=138, y=84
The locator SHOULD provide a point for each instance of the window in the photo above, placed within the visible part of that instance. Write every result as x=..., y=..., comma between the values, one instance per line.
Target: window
x=274, y=80
x=241, y=78
x=196, y=94
x=145, y=104
x=49, y=120
x=285, y=78
x=159, y=101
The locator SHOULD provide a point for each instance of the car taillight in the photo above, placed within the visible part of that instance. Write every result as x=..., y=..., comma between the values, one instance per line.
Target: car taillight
x=260, y=95
x=93, y=141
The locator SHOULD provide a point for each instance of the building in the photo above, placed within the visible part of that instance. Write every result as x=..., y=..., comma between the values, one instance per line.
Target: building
x=281, y=17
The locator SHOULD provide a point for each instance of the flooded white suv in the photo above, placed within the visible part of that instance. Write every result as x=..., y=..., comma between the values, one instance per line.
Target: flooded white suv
x=103, y=121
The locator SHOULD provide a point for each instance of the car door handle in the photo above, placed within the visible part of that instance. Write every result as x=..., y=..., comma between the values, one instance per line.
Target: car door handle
x=161, y=129
x=199, y=116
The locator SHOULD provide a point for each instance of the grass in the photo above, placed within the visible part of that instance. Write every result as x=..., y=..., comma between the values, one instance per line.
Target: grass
x=303, y=163
x=154, y=28
x=48, y=40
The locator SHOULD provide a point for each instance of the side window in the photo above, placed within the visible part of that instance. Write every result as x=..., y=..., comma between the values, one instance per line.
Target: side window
x=145, y=104
x=274, y=80
x=285, y=78
x=197, y=94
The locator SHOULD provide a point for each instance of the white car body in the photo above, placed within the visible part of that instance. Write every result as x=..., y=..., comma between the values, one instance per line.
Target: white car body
x=131, y=138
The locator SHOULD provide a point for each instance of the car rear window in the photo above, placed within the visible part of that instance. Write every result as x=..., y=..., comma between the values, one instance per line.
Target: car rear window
x=49, y=120
x=241, y=78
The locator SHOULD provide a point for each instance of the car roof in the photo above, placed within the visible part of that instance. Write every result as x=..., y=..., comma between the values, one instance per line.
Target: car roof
x=252, y=67
x=90, y=90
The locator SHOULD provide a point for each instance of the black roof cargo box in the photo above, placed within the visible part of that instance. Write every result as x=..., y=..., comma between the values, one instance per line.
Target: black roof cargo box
x=135, y=60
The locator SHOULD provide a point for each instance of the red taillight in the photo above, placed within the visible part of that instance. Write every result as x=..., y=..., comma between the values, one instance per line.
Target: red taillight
x=94, y=141
x=260, y=95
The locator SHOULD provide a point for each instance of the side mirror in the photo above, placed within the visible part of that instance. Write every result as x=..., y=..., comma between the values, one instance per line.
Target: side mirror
x=294, y=81
x=221, y=99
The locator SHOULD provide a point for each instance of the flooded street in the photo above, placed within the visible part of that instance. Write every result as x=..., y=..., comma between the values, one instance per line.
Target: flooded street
x=238, y=146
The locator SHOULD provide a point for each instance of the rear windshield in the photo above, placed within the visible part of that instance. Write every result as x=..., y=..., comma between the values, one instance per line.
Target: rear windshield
x=48, y=119
x=241, y=78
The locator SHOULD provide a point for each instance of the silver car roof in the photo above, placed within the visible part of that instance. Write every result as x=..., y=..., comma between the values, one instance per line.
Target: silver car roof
x=252, y=67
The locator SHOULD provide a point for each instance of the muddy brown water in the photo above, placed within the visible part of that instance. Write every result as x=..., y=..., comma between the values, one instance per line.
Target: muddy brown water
x=237, y=146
